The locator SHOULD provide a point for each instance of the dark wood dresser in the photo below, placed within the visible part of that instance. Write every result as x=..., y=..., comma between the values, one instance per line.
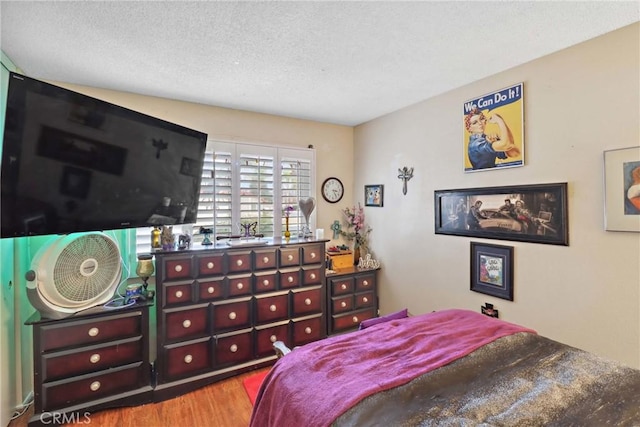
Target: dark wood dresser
x=352, y=296
x=92, y=360
x=220, y=310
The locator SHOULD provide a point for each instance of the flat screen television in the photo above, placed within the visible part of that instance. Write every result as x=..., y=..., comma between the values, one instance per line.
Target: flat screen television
x=73, y=163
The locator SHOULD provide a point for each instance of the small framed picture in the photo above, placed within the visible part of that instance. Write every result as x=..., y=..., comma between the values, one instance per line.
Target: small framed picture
x=622, y=189
x=373, y=195
x=492, y=270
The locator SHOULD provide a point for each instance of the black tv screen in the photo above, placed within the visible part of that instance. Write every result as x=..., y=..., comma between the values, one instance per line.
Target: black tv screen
x=74, y=163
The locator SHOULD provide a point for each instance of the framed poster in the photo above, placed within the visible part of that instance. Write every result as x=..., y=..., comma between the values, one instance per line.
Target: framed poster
x=622, y=189
x=527, y=213
x=492, y=270
x=493, y=129
x=374, y=195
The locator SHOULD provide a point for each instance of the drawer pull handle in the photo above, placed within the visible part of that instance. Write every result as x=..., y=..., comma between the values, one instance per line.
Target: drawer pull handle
x=186, y=323
x=365, y=283
x=343, y=304
x=307, y=301
x=307, y=330
x=239, y=262
x=355, y=319
x=188, y=358
x=290, y=257
x=240, y=285
x=211, y=289
x=273, y=338
x=265, y=260
x=265, y=282
x=344, y=287
x=290, y=279
x=232, y=315
x=313, y=275
x=210, y=265
x=95, y=358
x=272, y=307
x=233, y=348
x=93, y=332
x=365, y=299
x=178, y=268
x=313, y=255
x=95, y=386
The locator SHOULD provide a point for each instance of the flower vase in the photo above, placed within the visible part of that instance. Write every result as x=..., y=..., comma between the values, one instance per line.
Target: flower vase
x=356, y=255
x=287, y=233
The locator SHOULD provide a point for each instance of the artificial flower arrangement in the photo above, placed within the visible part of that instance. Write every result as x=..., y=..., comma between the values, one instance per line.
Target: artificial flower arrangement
x=357, y=231
x=287, y=211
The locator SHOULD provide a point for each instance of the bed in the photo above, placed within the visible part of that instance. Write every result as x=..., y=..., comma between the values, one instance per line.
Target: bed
x=451, y=367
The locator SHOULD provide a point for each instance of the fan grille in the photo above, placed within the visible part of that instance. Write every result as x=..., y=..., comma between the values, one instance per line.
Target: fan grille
x=86, y=268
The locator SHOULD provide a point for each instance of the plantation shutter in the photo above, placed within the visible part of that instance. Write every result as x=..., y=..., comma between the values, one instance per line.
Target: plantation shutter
x=256, y=167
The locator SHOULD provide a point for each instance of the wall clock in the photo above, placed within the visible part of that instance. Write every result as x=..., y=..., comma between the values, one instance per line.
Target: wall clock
x=332, y=190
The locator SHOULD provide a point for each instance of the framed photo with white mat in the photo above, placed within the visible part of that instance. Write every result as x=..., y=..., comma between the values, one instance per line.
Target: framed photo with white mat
x=622, y=189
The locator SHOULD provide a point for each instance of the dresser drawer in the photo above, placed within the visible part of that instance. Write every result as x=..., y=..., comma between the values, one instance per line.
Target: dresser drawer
x=188, y=359
x=265, y=282
x=289, y=257
x=62, y=394
x=211, y=265
x=266, y=336
x=240, y=285
x=365, y=282
x=351, y=320
x=211, y=289
x=307, y=330
x=177, y=268
x=233, y=349
x=289, y=279
x=266, y=259
x=365, y=299
x=342, y=286
x=313, y=254
x=185, y=324
x=63, y=334
x=239, y=262
x=69, y=363
x=306, y=301
x=342, y=304
x=272, y=308
x=311, y=276
x=234, y=315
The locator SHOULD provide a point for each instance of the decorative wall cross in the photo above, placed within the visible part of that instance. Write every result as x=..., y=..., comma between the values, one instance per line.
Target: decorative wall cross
x=405, y=174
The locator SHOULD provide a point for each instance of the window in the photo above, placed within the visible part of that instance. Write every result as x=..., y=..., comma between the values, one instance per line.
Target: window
x=249, y=184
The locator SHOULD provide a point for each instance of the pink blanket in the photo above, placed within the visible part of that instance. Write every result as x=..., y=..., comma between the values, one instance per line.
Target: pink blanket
x=316, y=383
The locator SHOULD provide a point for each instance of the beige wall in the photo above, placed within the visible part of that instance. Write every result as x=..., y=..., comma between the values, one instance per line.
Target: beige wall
x=578, y=103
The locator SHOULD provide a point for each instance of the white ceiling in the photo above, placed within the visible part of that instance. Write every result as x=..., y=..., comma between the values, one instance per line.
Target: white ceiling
x=336, y=62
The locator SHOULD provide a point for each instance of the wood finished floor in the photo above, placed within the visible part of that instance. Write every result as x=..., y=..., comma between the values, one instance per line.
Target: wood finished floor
x=222, y=404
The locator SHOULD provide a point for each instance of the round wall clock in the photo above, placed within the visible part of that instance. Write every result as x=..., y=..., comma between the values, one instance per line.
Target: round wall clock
x=332, y=190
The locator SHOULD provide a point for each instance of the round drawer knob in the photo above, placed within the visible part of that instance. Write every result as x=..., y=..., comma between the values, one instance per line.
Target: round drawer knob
x=210, y=265
x=178, y=268
x=93, y=332
x=272, y=307
x=188, y=358
x=313, y=275
x=343, y=304
x=273, y=338
x=95, y=386
x=344, y=287
x=365, y=283
x=313, y=255
x=290, y=257
x=211, y=289
x=265, y=260
x=290, y=279
x=233, y=348
x=355, y=319
x=232, y=315
x=95, y=358
x=240, y=285
x=239, y=262
x=307, y=301
x=179, y=294
x=186, y=323
x=365, y=299
x=307, y=330
x=265, y=282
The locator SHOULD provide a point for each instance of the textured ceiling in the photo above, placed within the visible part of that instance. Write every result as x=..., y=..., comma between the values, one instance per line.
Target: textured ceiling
x=337, y=62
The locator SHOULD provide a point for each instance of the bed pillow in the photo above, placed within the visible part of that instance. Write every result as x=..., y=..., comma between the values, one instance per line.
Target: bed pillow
x=393, y=316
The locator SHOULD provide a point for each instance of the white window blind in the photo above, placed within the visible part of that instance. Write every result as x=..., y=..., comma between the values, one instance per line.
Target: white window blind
x=249, y=183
